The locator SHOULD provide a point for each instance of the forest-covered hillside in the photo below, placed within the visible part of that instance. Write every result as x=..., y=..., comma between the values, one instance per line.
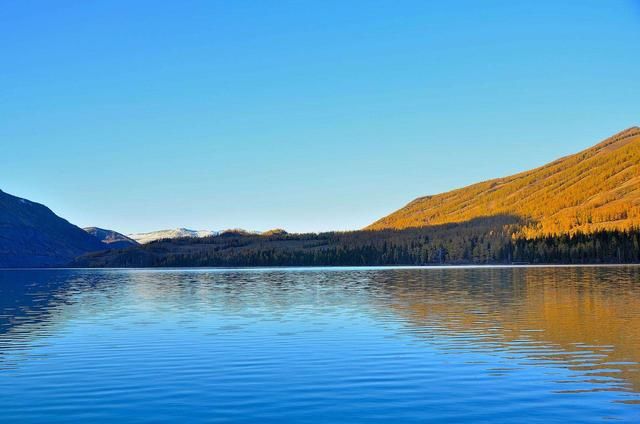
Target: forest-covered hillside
x=583, y=208
x=481, y=241
x=596, y=189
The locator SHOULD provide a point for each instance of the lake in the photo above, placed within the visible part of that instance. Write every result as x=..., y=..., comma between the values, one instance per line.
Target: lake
x=494, y=344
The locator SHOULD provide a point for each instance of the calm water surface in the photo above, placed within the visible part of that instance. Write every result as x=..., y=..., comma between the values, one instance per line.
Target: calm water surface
x=321, y=345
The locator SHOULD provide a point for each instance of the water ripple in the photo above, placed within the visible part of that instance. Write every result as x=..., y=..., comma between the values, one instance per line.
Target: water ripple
x=321, y=345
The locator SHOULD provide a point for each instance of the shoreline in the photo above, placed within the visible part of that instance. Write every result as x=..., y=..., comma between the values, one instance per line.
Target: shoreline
x=330, y=268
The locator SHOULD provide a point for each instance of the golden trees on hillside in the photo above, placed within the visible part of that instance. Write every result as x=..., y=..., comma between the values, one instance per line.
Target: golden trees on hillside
x=596, y=189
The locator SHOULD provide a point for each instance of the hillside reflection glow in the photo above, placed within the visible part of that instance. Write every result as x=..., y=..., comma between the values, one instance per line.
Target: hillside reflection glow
x=348, y=345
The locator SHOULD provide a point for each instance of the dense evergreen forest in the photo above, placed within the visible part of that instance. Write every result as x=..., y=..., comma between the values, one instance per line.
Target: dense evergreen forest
x=482, y=241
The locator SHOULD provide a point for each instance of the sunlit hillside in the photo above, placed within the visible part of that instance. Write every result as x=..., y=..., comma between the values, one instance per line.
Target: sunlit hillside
x=598, y=188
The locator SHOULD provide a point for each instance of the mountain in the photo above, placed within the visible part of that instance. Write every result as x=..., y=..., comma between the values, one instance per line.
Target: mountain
x=238, y=232
x=143, y=238
x=583, y=208
x=596, y=189
x=479, y=241
x=112, y=239
x=275, y=232
x=31, y=235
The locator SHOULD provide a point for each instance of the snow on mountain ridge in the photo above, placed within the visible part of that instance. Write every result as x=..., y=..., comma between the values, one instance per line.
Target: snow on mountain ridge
x=143, y=238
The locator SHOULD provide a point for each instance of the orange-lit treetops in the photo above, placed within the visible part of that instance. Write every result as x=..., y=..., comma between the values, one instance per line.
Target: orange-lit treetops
x=598, y=188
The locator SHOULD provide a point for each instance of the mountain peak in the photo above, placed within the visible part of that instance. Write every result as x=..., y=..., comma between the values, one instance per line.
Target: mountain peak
x=112, y=239
x=619, y=139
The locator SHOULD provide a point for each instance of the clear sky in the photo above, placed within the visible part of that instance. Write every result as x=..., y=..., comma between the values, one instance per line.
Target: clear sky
x=305, y=115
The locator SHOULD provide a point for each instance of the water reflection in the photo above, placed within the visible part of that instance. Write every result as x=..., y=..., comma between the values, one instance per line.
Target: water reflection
x=587, y=319
x=391, y=333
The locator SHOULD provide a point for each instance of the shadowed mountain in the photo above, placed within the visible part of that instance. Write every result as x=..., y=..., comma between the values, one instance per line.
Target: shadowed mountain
x=31, y=235
x=112, y=239
x=596, y=189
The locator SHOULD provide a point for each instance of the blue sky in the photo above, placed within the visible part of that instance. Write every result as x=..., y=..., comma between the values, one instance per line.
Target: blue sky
x=303, y=115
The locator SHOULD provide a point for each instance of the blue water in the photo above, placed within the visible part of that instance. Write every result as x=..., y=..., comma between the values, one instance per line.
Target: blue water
x=321, y=345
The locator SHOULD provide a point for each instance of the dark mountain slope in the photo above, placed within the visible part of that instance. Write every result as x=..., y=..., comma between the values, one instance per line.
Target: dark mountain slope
x=31, y=235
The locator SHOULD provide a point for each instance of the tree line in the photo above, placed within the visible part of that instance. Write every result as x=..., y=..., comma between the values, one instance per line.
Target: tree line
x=493, y=240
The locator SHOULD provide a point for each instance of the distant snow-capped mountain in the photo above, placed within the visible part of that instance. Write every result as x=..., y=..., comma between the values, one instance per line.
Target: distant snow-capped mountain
x=143, y=238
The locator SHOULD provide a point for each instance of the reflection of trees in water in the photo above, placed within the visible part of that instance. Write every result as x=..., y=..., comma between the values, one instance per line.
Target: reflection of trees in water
x=30, y=303
x=585, y=318
x=34, y=303
x=566, y=316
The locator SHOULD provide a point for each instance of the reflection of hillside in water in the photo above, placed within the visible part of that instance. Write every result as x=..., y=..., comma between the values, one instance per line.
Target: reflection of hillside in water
x=37, y=303
x=586, y=319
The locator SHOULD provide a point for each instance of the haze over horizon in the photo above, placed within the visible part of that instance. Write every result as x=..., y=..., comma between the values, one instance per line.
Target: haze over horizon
x=305, y=116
